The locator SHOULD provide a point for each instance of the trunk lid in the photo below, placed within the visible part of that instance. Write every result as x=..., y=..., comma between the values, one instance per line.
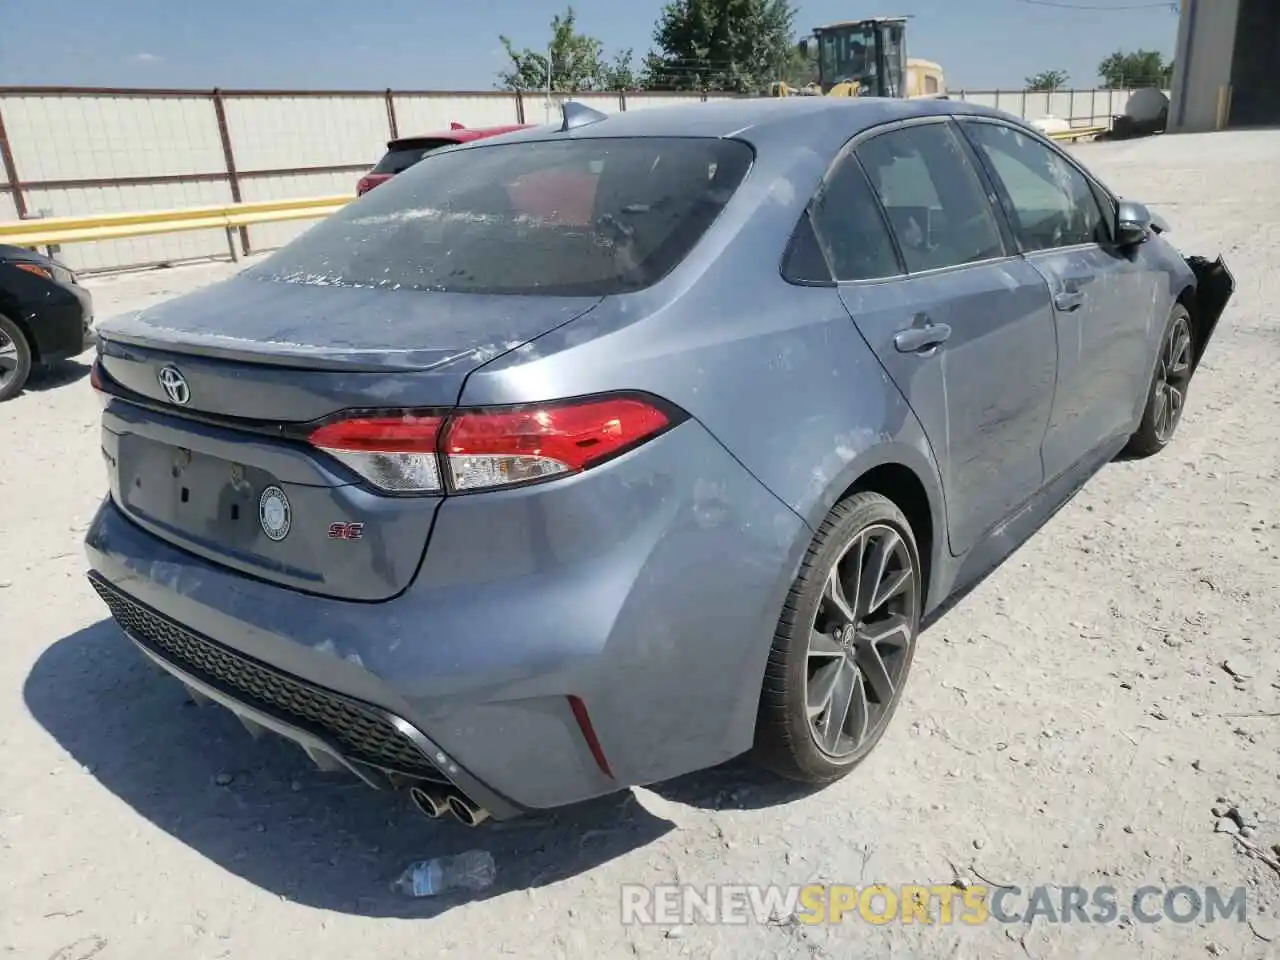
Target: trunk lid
x=219, y=468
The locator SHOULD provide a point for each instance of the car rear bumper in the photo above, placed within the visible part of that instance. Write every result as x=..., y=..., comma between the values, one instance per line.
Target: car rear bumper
x=559, y=642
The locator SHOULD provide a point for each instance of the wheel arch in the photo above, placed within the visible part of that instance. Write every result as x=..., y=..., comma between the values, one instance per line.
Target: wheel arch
x=15, y=317
x=905, y=473
x=899, y=483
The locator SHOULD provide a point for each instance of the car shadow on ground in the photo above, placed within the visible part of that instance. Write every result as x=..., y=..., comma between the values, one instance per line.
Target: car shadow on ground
x=57, y=375
x=260, y=810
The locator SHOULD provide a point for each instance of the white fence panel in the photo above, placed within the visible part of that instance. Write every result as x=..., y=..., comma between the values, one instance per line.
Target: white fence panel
x=94, y=137
x=983, y=98
x=1061, y=104
x=8, y=211
x=643, y=101
x=604, y=102
x=1034, y=106
x=429, y=112
x=286, y=132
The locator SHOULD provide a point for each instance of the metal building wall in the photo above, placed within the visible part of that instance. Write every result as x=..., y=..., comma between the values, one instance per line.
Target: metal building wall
x=1255, y=94
x=1202, y=63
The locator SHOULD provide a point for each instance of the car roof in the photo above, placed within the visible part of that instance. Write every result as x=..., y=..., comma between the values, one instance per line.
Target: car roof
x=818, y=123
x=457, y=134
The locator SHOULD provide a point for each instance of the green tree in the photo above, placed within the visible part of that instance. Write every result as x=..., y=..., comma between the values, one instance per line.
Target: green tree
x=732, y=45
x=577, y=62
x=1047, y=80
x=1140, y=68
x=620, y=74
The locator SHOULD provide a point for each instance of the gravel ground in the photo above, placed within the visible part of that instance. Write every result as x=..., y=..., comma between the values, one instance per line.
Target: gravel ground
x=1070, y=723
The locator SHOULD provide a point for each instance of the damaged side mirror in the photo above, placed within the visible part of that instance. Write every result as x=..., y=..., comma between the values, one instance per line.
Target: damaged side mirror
x=1133, y=223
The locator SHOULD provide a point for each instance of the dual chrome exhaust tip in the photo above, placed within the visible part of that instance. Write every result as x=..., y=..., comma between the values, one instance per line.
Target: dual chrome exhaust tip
x=434, y=802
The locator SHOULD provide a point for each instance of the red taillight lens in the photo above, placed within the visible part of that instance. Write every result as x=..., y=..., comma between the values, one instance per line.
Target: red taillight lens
x=99, y=385
x=35, y=268
x=397, y=454
x=490, y=448
x=495, y=449
x=363, y=186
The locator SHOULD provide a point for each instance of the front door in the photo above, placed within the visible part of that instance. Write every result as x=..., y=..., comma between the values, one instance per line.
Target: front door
x=963, y=329
x=1102, y=300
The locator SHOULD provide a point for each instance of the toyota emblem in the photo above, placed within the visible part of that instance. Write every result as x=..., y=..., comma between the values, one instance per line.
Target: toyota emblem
x=175, y=386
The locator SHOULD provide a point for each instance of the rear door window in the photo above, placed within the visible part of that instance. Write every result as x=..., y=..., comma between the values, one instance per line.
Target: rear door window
x=401, y=156
x=578, y=217
x=933, y=197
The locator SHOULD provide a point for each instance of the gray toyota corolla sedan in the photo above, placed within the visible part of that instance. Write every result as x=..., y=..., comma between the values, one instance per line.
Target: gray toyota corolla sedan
x=602, y=452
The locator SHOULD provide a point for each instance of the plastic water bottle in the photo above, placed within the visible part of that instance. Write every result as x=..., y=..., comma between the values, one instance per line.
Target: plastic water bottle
x=473, y=870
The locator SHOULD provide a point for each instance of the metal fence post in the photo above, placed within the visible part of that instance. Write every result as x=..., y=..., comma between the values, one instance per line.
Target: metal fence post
x=229, y=157
x=11, y=171
x=390, y=101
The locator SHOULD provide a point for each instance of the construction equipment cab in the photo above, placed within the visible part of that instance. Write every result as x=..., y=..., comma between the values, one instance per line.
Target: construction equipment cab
x=862, y=58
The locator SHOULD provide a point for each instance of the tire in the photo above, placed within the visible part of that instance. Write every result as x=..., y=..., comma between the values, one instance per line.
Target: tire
x=1171, y=378
x=858, y=532
x=15, y=359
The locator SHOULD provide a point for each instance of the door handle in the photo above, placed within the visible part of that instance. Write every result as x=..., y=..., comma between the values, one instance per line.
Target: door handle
x=1068, y=300
x=920, y=339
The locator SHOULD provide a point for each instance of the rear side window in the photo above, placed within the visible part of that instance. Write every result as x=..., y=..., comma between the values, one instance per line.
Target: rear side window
x=850, y=228
x=933, y=197
x=402, y=156
x=581, y=217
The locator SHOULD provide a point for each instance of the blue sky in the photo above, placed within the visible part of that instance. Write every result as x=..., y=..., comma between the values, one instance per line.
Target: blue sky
x=430, y=44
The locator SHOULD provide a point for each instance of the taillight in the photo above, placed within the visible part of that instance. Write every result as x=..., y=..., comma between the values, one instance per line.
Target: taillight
x=395, y=454
x=98, y=383
x=35, y=268
x=485, y=449
x=363, y=186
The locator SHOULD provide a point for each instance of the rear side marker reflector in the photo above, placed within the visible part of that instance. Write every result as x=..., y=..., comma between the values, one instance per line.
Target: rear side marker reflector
x=589, y=734
x=486, y=449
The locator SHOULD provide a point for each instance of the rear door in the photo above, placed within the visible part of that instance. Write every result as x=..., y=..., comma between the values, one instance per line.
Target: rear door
x=962, y=327
x=1102, y=298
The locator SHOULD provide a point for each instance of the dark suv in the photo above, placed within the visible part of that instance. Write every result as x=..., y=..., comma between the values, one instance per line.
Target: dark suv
x=403, y=152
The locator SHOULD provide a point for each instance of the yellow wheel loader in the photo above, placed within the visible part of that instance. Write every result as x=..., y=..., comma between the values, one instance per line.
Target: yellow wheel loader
x=865, y=58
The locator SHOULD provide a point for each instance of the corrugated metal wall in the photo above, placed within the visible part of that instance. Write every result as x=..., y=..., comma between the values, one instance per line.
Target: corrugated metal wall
x=86, y=151
x=1255, y=97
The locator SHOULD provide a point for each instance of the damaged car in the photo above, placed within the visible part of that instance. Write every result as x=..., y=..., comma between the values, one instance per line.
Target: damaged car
x=506, y=497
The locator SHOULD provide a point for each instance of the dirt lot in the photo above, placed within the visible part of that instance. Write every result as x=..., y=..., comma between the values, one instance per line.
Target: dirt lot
x=1071, y=723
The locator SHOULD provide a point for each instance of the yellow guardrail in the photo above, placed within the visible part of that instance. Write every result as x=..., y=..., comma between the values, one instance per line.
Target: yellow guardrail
x=115, y=226
x=1077, y=133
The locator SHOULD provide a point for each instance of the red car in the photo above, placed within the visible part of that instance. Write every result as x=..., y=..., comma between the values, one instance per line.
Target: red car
x=403, y=152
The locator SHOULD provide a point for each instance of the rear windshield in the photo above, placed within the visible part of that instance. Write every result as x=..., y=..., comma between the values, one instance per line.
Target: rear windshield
x=585, y=217
x=402, y=156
